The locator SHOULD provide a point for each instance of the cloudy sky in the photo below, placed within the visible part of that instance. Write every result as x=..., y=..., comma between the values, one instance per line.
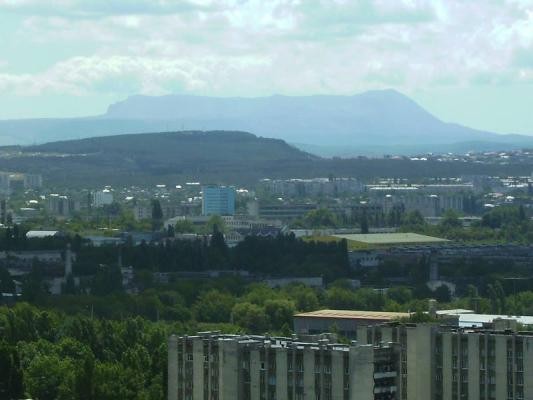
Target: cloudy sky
x=467, y=61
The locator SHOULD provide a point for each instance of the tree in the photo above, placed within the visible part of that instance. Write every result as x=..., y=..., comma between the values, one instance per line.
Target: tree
x=341, y=299
x=33, y=287
x=49, y=377
x=450, y=220
x=213, y=306
x=280, y=312
x=400, y=294
x=305, y=298
x=364, y=223
x=218, y=252
x=413, y=220
x=157, y=215
x=442, y=294
x=250, y=317
x=108, y=279
x=320, y=218
x=184, y=226
x=10, y=372
x=6, y=282
x=112, y=381
x=69, y=287
x=494, y=300
x=170, y=231
x=522, y=213
x=215, y=223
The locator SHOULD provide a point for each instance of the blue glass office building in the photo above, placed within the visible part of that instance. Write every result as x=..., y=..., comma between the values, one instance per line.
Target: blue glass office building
x=218, y=200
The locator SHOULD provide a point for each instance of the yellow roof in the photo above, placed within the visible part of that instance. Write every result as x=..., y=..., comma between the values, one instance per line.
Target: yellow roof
x=353, y=314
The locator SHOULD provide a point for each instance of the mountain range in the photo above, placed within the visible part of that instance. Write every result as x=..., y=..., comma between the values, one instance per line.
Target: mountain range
x=374, y=122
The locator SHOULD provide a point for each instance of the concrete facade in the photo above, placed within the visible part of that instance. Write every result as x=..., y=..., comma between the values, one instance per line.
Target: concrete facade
x=445, y=363
x=232, y=367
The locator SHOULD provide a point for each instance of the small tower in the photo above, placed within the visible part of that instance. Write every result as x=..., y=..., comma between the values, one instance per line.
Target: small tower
x=68, y=261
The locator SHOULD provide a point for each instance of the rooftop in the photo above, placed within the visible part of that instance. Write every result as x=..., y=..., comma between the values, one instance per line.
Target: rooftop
x=353, y=314
x=390, y=238
x=469, y=319
x=42, y=234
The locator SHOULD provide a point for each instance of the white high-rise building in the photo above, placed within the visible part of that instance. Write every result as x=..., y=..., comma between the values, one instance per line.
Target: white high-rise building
x=102, y=198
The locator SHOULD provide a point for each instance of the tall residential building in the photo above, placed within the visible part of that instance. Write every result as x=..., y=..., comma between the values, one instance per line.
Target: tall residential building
x=388, y=361
x=59, y=205
x=5, y=183
x=447, y=363
x=218, y=200
x=102, y=198
x=234, y=367
x=311, y=187
x=33, y=181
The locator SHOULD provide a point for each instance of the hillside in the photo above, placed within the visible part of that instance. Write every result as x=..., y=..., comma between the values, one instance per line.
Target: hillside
x=375, y=122
x=179, y=148
x=219, y=157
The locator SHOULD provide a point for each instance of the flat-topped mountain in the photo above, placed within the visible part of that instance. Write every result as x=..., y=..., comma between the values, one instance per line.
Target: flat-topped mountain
x=374, y=122
x=365, y=119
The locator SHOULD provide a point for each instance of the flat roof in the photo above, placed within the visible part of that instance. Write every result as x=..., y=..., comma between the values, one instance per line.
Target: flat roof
x=390, y=238
x=42, y=234
x=353, y=314
x=456, y=311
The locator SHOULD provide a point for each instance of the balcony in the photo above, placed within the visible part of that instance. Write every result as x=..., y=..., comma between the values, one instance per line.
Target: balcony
x=387, y=374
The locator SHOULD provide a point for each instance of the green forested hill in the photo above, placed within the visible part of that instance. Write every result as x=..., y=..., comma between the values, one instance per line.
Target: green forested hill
x=216, y=156
x=180, y=147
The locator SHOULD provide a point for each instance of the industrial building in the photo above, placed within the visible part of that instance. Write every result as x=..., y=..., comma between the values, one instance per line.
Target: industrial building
x=280, y=210
x=236, y=367
x=344, y=322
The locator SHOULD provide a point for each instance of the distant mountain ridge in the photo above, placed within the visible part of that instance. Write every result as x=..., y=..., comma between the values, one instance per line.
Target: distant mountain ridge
x=383, y=121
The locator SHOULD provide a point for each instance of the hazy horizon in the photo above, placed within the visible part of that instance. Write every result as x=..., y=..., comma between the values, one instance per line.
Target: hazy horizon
x=465, y=62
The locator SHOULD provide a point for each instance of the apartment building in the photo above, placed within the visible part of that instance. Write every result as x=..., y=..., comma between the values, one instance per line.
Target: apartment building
x=311, y=187
x=450, y=363
x=60, y=205
x=234, y=367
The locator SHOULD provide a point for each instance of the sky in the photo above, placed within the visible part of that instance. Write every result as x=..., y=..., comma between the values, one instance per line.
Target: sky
x=466, y=61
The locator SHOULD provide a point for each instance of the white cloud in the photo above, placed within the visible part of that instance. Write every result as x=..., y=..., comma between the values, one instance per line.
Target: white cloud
x=256, y=47
x=99, y=8
x=119, y=74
